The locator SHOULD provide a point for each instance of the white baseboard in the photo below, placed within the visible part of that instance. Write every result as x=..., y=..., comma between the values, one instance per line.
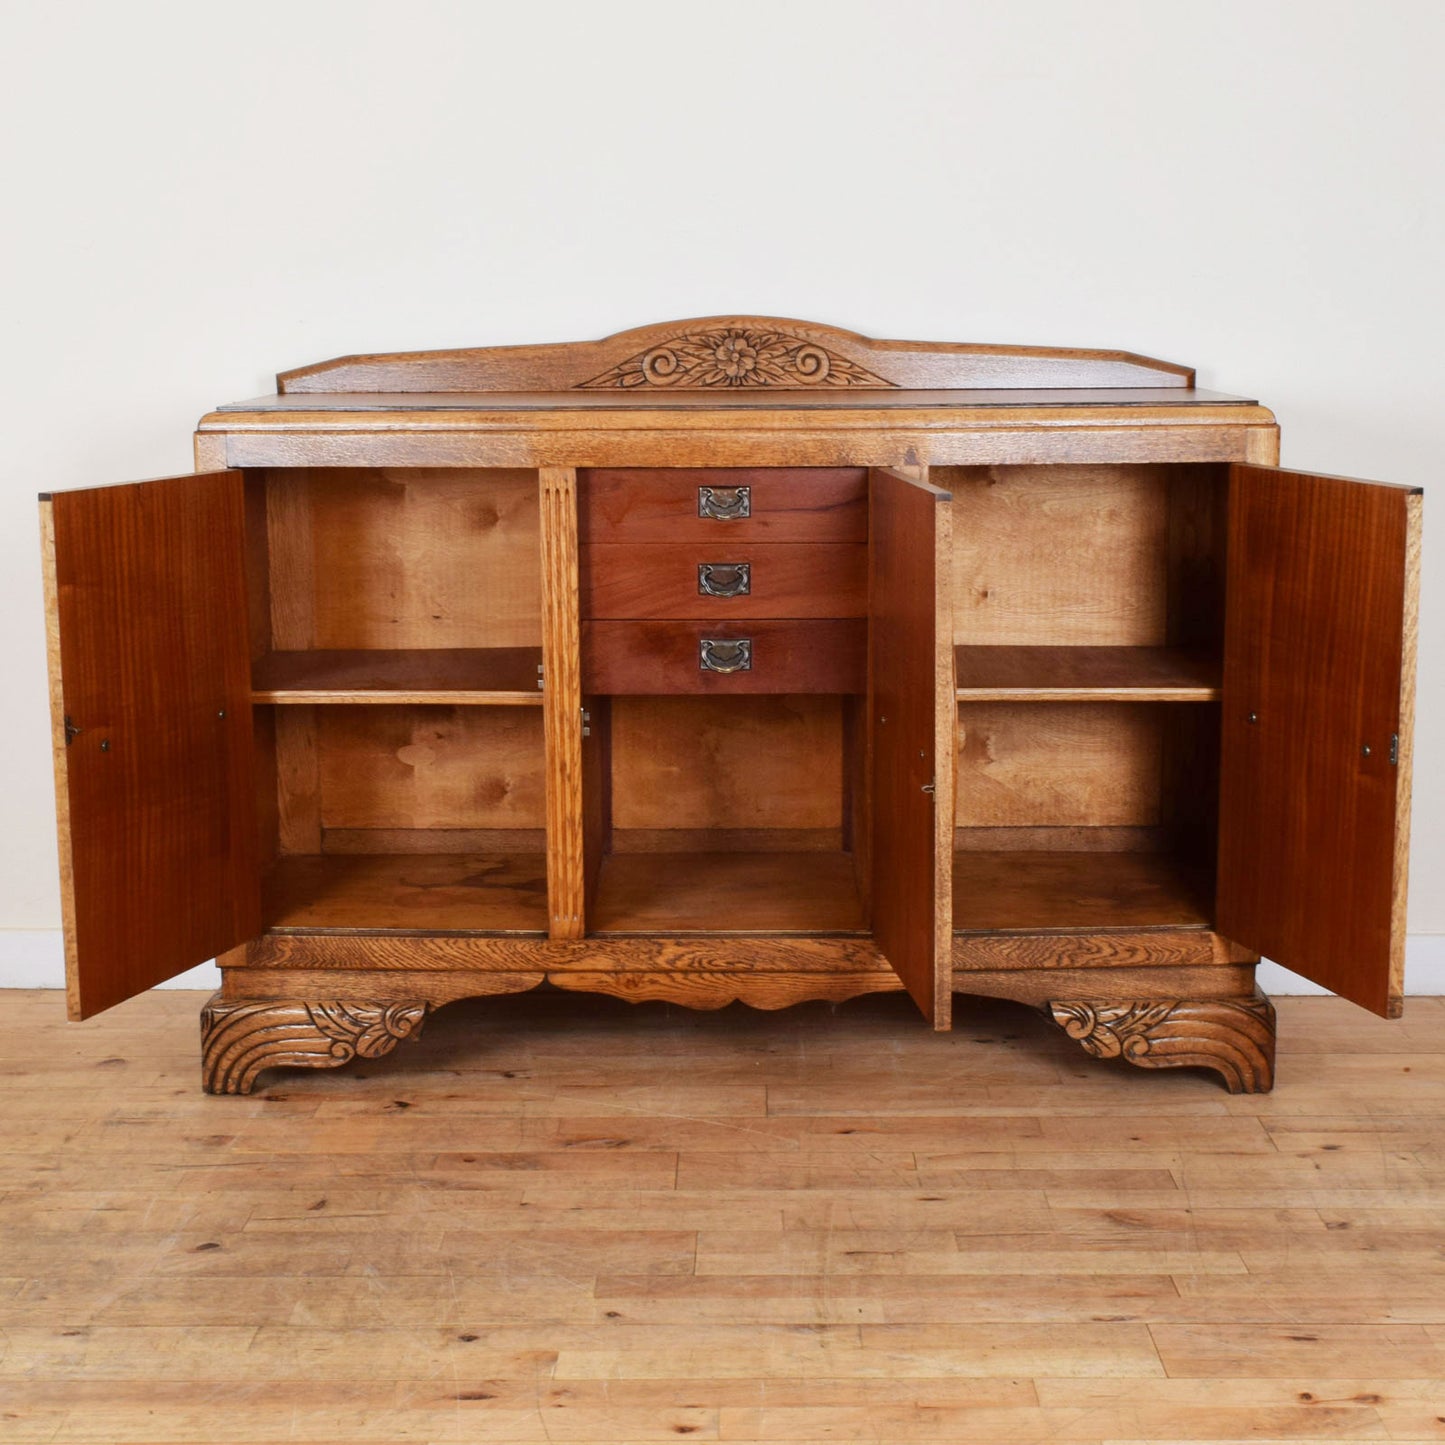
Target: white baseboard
x=33, y=958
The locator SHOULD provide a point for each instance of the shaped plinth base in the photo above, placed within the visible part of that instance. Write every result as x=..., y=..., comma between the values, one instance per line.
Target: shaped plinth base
x=1235, y=1037
x=239, y=1040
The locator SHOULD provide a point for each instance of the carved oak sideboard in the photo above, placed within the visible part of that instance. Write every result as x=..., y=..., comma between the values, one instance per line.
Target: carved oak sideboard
x=735, y=659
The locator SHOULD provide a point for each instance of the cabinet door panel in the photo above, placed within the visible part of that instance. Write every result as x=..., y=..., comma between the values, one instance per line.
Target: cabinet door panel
x=150, y=692
x=911, y=724
x=1318, y=687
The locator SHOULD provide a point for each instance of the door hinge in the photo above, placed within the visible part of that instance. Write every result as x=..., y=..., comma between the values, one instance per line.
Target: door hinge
x=1394, y=750
x=71, y=731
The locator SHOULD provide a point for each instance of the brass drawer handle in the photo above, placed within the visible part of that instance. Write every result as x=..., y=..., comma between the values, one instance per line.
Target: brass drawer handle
x=724, y=579
x=724, y=503
x=717, y=654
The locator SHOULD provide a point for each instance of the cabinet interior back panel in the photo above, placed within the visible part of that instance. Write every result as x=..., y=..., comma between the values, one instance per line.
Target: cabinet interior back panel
x=1058, y=555
x=1063, y=765
x=402, y=558
x=765, y=763
x=408, y=779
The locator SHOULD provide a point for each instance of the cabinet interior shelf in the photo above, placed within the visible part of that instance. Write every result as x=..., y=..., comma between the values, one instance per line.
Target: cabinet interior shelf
x=1085, y=674
x=455, y=675
x=1007, y=891
x=763, y=892
x=422, y=892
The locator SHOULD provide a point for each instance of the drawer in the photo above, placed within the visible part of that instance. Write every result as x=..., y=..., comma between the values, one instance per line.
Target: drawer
x=718, y=579
x=769, y=656
x=733, y=504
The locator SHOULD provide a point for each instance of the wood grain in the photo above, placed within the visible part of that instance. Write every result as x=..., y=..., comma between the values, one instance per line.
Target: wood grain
x=1064, y=765
x=660, y=504
x=1233, y=1037
x=728, y=840
x=485, y=892
x=746, y=351
x=1054, y=555
x=376, y=985
x=239, y=1041
x=266, y=791
x=567, y=871
x=1198, y=534
x=811, y=655
x=817, y=1224
x=1094, y=431
x=727, y=893
x=297, y=782
x=479, y=955
x=1085, y=839
x=1129, y=978
x=696, y=989
x=498, y=676
x=1150, y=947
x=60, y=741
x=761, y=763
x=911, y=717
x=785, y=579
x=1085, y=674
x=1316, y=683
x=1033, y=891
x=434, y=840
x=414, y=557
x=430, y=767
x=597, y=793
x=149, y=663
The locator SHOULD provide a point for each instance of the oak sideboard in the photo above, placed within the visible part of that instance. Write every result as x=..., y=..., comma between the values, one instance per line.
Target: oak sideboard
x=738, y=659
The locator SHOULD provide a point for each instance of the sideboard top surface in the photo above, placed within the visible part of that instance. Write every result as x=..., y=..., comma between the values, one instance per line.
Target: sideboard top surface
x=750, y=399
x=736, y=390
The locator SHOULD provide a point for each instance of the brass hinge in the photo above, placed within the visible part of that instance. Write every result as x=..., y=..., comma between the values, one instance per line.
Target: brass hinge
x=1394, y=750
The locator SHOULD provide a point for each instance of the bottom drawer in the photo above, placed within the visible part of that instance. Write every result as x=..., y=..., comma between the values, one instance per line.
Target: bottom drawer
x=735, y=656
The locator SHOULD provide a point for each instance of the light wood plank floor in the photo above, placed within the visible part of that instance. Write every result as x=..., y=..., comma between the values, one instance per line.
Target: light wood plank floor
x=558, y=1218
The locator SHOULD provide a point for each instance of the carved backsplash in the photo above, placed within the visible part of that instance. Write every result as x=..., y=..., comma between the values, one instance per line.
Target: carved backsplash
x=738, y=358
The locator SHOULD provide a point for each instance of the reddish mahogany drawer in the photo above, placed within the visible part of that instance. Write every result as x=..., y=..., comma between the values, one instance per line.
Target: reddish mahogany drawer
x=718, y=579
x=768, y=655
x=728, y=505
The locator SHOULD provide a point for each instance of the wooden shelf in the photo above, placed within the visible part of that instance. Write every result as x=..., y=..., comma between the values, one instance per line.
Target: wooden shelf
x=1084, y=674
x=423, y=892
x=728, y=893
x=504, y=676
x=1033, y=892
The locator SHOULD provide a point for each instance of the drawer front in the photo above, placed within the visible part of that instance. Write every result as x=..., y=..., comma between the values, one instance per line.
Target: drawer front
x=724, y=505
x=723, y=656
x=716, y=579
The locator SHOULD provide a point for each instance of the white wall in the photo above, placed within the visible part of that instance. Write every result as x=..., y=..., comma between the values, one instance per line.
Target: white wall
x=196, y=196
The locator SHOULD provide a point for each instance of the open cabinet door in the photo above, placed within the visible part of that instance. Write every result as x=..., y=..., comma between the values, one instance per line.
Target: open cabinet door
x=150, y=695
x=1317, y=699
x=911, y=727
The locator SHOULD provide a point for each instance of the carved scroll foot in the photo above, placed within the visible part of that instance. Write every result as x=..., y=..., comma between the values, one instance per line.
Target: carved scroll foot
x=1235, y=1037
x=238, y=1040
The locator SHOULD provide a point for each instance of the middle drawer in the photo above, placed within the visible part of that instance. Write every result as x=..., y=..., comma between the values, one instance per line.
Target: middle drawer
x=702, y=580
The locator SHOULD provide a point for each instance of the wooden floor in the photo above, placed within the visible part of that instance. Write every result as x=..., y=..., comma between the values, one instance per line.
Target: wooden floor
x=560, y=1218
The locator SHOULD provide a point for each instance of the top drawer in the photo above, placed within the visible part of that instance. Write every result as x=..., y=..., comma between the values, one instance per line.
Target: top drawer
x=724, y=504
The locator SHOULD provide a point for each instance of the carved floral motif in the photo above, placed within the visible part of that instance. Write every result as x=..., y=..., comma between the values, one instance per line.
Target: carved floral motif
x=1235, y=1037
x=736, y=357
x=238, y=1040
